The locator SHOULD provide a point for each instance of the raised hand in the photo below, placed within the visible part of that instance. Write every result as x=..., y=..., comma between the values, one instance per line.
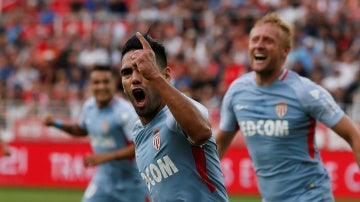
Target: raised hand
x=48, y=119
x=144, y=60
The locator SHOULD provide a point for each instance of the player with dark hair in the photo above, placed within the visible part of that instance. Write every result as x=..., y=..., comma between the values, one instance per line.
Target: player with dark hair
x=108, y=120
x=175, y=148
x=277, y=110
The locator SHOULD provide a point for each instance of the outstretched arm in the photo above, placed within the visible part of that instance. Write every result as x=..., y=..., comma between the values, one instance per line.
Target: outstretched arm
x=72, y=129
x=99, y=158
x=348, y=130
x=223, y=141
x=187, y=115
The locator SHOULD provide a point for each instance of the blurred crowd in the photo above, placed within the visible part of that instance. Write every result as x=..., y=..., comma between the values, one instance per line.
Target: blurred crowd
x=48, y=46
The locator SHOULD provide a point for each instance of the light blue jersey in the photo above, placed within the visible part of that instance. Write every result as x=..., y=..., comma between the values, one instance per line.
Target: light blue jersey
x=278, y=122
x=174, y=169
x=110, y=129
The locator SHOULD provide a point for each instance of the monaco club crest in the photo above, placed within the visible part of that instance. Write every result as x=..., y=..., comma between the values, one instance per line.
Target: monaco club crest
x=156, y=140
x=281, y=109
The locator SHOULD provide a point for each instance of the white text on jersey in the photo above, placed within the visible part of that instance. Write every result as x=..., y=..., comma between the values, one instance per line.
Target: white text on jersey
x=265, y=127
x=105, y=142
x=155, y=173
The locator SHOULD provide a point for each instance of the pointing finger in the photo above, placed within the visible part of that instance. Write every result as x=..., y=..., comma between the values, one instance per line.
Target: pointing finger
x=145, y=44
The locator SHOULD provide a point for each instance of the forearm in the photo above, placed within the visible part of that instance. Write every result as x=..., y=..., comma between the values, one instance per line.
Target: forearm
x=124, y=153
x=354, y=142
x=222, y=148
x=223, y=141
x=71, y=129
x=356, y=149
x=190, y=119
x=99, y=158
x=350, y=131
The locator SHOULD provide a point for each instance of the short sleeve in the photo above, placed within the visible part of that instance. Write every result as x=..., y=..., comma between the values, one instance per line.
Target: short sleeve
x=320, y=104
x=227, y=117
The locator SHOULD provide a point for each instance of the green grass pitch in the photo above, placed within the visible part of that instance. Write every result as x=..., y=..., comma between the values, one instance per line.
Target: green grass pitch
x=11, y=194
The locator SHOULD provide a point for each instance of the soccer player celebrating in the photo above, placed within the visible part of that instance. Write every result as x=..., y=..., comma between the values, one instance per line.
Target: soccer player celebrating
x=276, y=111
x=109, y=120
x=175, y=149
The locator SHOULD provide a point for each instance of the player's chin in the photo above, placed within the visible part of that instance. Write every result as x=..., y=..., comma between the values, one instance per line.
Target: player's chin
x=258, y=68
x=103, y=99
x=142, y=112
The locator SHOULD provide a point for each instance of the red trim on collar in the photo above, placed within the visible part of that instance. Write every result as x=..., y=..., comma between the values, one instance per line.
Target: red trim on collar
x=284, y=74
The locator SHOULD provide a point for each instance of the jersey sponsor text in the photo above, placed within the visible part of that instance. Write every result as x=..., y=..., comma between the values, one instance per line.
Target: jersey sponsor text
x=265, y=127
x=105, y=142
x=156, y=172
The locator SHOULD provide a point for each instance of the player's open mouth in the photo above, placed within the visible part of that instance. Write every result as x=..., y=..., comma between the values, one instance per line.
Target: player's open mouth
x=139, y=96
x=259, y=57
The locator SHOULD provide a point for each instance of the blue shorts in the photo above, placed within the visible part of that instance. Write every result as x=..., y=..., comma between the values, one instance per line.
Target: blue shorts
x=102, y=193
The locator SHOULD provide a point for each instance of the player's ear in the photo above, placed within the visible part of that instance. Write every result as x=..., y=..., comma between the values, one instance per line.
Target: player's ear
x=286, y=52
x=167, y=73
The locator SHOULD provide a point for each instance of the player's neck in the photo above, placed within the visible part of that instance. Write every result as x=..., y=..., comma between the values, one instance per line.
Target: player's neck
x=267, y=78
x=147, y=118
x=104, y=104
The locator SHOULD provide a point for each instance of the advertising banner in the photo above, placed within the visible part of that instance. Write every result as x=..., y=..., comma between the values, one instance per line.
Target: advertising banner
x=61, y=165
x=46, y=165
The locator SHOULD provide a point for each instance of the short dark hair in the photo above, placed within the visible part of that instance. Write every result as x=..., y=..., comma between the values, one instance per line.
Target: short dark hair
x=101, y=68
x=104, y=68
x=134, y=44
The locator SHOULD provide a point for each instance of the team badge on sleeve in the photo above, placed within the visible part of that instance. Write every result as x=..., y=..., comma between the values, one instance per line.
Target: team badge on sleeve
x=156, y=140
x=281, y=109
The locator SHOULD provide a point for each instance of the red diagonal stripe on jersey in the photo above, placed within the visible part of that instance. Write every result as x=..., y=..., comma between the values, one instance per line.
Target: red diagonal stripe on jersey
x=200, y=161
x=311, y=134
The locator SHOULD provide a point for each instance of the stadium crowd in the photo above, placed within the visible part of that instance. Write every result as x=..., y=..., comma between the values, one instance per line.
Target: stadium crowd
x=48, y=46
